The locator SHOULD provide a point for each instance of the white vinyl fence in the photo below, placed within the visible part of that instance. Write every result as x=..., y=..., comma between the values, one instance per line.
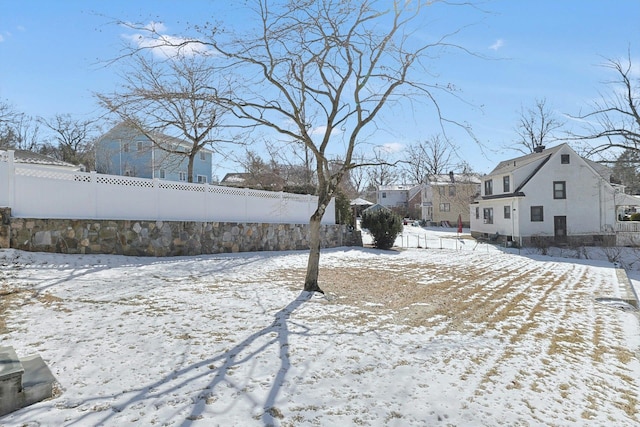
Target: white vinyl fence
x=45, y=192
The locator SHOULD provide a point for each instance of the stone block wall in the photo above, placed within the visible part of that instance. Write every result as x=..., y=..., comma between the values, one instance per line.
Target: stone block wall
x=166, y=238
x=5, y=223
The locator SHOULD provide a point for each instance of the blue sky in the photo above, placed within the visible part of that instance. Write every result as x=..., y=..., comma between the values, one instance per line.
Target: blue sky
x=52, y=53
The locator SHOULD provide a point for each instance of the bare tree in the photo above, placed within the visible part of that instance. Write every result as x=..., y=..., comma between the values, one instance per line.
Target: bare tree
x=536, y=127
x=320, y=71
x=427, y=158
x=73, y=139
x=19, y=131
x=614, y=122
x=177, y=96
x=358, y=175
x=380, y=171
x=7, y=113
x=626, y=170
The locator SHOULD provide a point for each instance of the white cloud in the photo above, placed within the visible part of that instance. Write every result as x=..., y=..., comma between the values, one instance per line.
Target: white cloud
x=391, y=147
x=152, y=37
x=321, y=130
x=497, y=45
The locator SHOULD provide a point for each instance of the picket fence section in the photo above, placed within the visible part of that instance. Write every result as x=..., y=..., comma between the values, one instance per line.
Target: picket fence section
x=34, y=191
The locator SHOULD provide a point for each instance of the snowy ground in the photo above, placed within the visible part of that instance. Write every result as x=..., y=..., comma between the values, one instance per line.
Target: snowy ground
x=466, y=335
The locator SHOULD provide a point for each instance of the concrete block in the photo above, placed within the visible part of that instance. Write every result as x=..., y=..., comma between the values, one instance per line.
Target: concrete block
x=37, y=381
x=23, y=382
x=11, y=371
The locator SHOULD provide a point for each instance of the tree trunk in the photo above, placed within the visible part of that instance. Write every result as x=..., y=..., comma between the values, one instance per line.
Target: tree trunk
x=313, y=265
x=190, y=167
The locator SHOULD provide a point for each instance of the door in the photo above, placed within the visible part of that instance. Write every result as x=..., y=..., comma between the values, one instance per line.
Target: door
x=560, y=228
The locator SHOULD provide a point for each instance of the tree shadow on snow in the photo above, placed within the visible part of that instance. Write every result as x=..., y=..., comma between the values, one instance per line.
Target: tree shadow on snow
x=219, y=367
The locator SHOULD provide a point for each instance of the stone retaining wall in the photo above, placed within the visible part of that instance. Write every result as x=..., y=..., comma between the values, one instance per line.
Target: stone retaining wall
x=164, y=238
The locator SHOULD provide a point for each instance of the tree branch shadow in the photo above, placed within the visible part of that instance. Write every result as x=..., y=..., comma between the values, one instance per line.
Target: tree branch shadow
x=223, y=364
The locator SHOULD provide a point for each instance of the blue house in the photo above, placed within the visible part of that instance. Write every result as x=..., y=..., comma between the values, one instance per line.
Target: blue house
x=125, y=151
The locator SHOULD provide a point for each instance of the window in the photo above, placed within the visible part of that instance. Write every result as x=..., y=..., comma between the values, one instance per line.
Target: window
x=162, y=174
x=537, y=214
x=384, y=195
x=139, y=145
x=488, y=187
x=477, y=213
x=564, y=159
x=182, y=176
x=506, y=185
x=125, y=147
x=202, y=179
x=203, y=155
x=452, y=191
x=445, y=207
x=507, y=212
x=441, y=191
x=559, y=189
x=488, y=215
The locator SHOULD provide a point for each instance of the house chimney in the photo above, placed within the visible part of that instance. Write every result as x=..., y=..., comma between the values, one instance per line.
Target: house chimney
x=539, y=148
x=451, y=176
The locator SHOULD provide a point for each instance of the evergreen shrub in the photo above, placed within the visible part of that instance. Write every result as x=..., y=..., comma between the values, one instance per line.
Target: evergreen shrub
x=384, y=226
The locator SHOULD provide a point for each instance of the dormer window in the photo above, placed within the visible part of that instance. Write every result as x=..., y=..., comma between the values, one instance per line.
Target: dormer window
x=506, y=185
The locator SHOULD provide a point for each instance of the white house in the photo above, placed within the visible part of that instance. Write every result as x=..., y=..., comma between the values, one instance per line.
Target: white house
x=398, y=197
x=552, y=196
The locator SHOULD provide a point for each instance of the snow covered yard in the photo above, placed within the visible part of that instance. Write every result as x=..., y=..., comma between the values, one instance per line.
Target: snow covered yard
x=410, y=337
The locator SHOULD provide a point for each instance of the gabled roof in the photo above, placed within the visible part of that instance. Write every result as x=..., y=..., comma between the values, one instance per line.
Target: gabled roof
x=538, y=160
x=507, y=166
x=375, y=208
x=360, y=202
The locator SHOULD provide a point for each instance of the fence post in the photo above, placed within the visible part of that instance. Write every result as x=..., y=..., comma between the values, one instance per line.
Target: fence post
x=281, y=205
x=9, y=178
x=206, y=202
x=156, y=198
x=94, y=190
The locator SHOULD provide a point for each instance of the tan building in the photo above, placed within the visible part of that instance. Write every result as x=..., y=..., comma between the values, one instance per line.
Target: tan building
x=448, y=196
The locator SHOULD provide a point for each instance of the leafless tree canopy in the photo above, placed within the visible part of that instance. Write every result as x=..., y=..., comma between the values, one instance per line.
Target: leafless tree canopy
x=18, y=131
x=177, y=96
x=72, y=139
x=427, y=158
x=614, y=120
x=536, y=127
x=318, y=72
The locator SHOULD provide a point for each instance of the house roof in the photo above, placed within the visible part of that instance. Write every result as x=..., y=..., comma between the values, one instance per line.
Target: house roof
x=510, y=165
x=235, y=178
x=375, y=208
x=541, y=159
x=396, y=187
x=445, y=179
x=29, y=157
x=360, y=202
x=124, y=129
